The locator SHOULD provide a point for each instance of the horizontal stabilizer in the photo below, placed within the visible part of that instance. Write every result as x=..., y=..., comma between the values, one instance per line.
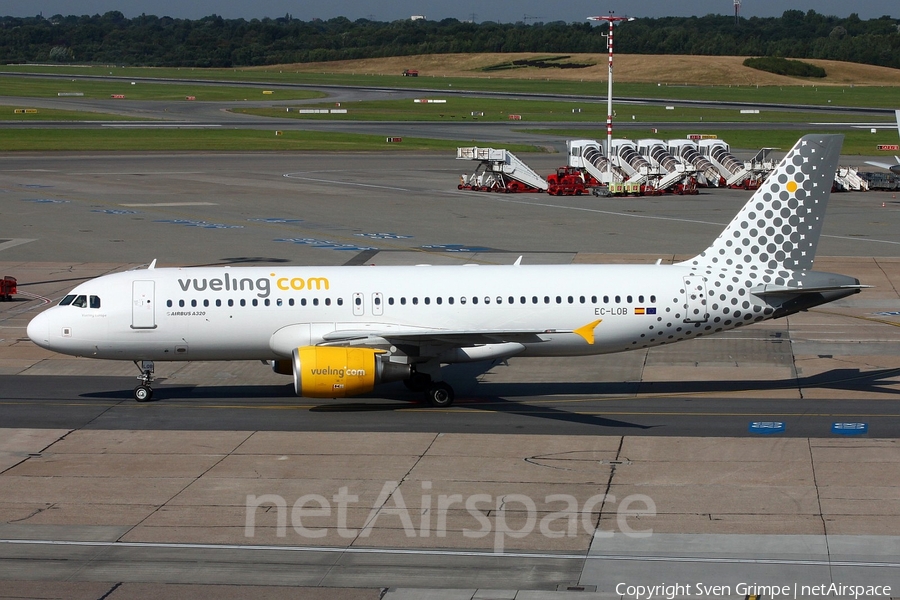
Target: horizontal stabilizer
x=783, y=290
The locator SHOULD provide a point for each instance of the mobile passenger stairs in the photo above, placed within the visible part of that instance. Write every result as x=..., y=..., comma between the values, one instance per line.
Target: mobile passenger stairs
x=677, y=177
x=499, y=170
x=737, y=174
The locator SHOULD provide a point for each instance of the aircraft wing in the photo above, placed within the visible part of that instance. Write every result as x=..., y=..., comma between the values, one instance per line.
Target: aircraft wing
x=882, y=165
x=448, y=337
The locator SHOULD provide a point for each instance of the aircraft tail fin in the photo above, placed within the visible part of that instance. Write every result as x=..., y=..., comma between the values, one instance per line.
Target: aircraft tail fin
x=778, y=230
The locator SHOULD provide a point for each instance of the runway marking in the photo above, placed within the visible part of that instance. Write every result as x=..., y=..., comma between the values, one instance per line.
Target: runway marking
x=483, y=410
x=459, y=553
x=350, y=183
x=15, y=242
x=144, y=205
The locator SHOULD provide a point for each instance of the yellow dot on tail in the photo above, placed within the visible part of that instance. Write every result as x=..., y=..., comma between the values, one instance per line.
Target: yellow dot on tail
x=792, y=186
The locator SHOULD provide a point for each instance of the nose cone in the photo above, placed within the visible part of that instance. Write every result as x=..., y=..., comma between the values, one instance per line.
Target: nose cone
x=39, y=330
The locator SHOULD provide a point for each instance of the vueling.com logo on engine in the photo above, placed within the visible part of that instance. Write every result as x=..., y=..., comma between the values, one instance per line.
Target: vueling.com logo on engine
x=339, y=373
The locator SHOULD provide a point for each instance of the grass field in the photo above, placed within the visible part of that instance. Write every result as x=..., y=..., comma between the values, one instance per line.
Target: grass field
x=492, y=109
x=51, y=88
x=675, y=77
x=174, y=140
x=856, y=142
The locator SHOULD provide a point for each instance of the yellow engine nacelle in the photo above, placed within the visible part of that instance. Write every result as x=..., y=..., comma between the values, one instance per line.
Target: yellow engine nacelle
x=331, y=372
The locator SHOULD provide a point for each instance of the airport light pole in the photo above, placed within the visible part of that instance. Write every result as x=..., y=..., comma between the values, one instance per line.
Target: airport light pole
x=612, y=20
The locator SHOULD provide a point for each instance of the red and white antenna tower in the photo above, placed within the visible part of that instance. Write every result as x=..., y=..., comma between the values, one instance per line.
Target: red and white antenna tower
x=612, y=20
x=737, y=12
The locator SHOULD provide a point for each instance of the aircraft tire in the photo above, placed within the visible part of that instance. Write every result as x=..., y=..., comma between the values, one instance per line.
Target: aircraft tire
x=440, y=395
x=143, y=393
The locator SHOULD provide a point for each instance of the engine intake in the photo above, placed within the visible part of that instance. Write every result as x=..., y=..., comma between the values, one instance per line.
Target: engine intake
x=334, y=372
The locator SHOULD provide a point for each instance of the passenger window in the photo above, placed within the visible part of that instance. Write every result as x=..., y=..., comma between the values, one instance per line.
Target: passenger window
x=403, y=301
x=546, y=299
x=474, y=299
x=95, y=301
x=594, y=299
x=618, y=299
x=391, y=301
x=534, y=299
x=206, y=303
x=499, y=300
x=571, y=300
x=340, y=301
x=230, y=302
x=194, y=303
x=559, y=299
x=487, y=299
x=450, y=300
x=357, y=301
x=218, y=302
x=377, y=301
x=652, y=298
x=327, y=301
x=462, y=299
x=606, y=299
x=415, y=300
x=266, y=302
x=641, y=299
x=438, y=300
x=581, y=299
x=290, y=301
x=427, y=300
x=303, y=302
x=255, y=302
x=629, y=298
x=181, y=303
x=522, y=300
x=68, y=300
x=243, y=302
x=315, y=301
x=168, y=303
x=278, y=302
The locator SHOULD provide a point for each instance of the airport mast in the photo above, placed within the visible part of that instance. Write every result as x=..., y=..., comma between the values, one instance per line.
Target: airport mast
x=737, y=12
x=612, y=20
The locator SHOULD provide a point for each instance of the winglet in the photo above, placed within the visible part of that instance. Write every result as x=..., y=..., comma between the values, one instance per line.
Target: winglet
x=152, y=265
x=518, y=262
x=587, y=331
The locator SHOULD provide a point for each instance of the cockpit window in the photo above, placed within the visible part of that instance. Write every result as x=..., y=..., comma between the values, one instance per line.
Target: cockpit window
x=67, y=300
x=80, y=301
x=95, y=301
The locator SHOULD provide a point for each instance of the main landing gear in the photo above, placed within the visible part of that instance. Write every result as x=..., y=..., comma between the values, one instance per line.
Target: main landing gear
x=437, y=393
x=143, y=392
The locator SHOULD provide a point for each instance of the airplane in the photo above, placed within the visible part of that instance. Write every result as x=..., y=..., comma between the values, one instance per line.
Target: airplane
x=339, y=331
x=895, y=168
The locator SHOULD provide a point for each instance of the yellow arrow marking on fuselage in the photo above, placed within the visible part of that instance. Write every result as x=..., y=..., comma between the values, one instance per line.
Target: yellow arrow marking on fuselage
x=587, y=331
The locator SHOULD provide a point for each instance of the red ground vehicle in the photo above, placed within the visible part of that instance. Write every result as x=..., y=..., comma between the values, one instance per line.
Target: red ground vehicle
x=567, y=181
x=7, y=288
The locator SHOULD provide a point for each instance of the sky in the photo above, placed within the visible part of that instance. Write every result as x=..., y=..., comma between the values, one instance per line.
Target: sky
x=505, y=11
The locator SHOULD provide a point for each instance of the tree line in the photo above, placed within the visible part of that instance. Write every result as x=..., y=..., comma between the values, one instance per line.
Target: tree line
x=213, y=41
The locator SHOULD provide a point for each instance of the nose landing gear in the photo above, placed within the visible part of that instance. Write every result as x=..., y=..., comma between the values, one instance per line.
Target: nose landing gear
x=143, y=392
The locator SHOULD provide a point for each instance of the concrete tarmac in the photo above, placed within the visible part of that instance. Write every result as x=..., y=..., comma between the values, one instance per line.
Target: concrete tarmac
x=99, y=495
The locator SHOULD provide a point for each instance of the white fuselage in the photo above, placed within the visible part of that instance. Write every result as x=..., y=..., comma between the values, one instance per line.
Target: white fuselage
x=222, y=313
